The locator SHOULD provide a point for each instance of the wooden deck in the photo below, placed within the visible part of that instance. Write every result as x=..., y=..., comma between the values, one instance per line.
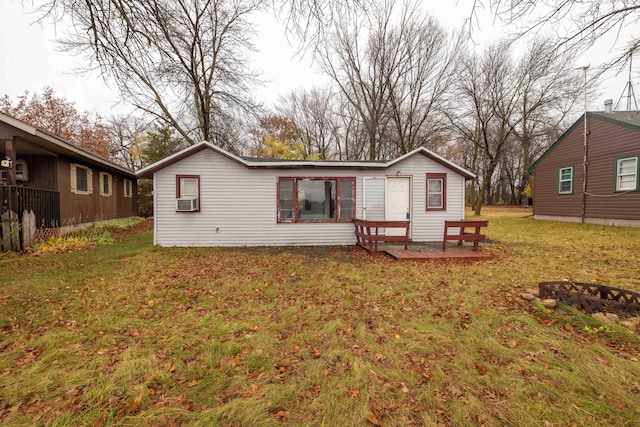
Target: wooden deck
x=449, y=255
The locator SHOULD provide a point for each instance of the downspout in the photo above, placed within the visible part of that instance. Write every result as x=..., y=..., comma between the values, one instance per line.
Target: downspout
x=585, y=154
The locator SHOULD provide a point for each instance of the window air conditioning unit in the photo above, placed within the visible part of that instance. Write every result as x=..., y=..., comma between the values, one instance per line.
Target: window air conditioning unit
x=187, y=205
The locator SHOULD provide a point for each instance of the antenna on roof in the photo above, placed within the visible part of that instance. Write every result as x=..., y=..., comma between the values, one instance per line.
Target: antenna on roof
x=628, y=89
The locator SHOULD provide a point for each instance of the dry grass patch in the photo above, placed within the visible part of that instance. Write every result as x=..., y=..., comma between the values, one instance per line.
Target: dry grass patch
x=129, y=334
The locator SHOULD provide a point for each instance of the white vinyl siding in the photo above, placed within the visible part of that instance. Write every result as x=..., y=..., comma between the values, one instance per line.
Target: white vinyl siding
x=239, y=205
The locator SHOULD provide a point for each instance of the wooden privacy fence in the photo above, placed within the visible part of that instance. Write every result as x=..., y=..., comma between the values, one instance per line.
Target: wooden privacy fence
x=19, y=233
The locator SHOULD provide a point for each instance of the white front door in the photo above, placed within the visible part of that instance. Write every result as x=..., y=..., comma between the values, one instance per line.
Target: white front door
x=398, y=206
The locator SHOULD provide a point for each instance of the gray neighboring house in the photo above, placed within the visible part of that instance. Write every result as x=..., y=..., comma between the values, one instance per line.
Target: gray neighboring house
x=206, y=196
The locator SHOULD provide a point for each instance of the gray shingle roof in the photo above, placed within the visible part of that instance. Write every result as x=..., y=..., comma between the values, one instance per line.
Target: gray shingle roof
x=628, y=117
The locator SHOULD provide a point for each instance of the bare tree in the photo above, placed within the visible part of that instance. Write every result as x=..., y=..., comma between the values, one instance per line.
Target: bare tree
x=352, y=139
x=358, y=73
x=489, y=97
x=577, y=24
x=393, y=71
x=510, y=109
x=312, y=21
x=130, y=134
x=184, y=62
x=312, y=111
x=419, y=80
x=549, y=89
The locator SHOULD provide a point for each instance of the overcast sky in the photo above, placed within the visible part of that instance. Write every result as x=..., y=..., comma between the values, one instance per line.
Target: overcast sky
x=29, y=60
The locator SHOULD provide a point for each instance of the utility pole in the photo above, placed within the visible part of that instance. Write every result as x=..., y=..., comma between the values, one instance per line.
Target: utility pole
x=585, y=162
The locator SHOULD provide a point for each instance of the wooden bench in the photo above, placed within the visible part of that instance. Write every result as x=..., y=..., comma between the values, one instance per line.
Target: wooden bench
x=368, y=233
x=462, y=234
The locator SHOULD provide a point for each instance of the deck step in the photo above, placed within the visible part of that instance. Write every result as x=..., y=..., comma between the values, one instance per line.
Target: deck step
x=451, y=254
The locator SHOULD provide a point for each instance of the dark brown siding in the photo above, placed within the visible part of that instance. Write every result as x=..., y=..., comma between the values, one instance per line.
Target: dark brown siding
x=49, y=169
x=81, y=208
x=606, y=142
x=126, y=206
x=42, y=172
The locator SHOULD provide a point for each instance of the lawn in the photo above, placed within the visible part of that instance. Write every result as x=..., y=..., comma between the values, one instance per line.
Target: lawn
x=130, y=334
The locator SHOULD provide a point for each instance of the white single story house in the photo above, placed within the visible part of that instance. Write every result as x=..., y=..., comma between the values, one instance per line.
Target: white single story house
x=206, y=196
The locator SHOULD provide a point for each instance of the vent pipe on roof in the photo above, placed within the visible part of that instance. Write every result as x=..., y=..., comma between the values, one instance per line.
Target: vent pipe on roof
x=608, y=105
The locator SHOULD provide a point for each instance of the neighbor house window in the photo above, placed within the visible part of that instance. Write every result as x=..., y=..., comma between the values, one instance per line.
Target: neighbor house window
x=316, y=199
x=105, y=184
x=22, y=172
x=128, y=188
x=436, y=191
x=188, y=193
x=81, y=179
x=627, y=174
x=565, y=180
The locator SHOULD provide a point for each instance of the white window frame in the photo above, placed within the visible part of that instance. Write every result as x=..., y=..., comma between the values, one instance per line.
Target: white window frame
x=561, y=180
x=74, y=179
x=620, y=175
x=109, y=191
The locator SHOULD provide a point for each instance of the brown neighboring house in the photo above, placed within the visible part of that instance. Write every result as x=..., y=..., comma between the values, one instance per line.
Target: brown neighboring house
x=64, y=184
x=592, y=176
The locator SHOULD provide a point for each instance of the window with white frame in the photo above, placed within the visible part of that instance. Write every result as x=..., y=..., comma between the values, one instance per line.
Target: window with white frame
x=627, y=174
x=565, y=180
x=436, y=191
x=128, y=188
x=316, y=199
x=81, y=179
x=105, y=184
x=187, y=193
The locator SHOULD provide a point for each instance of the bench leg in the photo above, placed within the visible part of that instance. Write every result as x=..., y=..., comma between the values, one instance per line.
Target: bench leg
x=476, y=242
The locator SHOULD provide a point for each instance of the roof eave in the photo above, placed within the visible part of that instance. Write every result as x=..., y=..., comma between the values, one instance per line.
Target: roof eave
x=148, y=171
x=79, y=151
x=436, y=158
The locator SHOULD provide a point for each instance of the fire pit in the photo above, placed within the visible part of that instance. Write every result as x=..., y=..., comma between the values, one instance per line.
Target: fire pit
x=592, y=297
